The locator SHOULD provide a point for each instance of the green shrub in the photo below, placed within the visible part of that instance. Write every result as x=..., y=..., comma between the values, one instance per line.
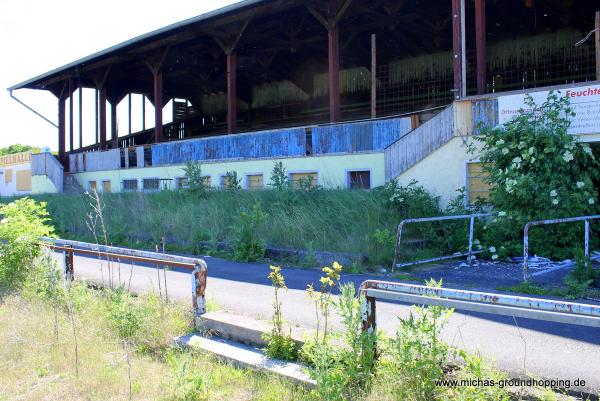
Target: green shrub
x=417, y=354
x=196, y=182
x=23, y=222
x=343, y=369
x=248, y=246
x=231, y=181
x=279, y=344
x=537, y=171
x=382, y=244
x=190, y=381
x=279, y=178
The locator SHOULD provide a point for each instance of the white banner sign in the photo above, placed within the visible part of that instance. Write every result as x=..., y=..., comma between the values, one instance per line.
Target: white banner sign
x=585, y=101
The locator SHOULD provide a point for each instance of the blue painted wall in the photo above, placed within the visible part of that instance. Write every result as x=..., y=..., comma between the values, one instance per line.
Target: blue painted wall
x=359, y=137
x=339, y=138
x=285, y=142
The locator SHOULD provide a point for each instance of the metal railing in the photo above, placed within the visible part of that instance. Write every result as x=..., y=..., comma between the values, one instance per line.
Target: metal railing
x=585, y=219
x=469, y=253
x=198, y=267
x=495, y=304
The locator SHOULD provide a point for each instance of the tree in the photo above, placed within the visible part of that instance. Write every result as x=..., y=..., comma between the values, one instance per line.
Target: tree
x=18, y=148
x=538, y=171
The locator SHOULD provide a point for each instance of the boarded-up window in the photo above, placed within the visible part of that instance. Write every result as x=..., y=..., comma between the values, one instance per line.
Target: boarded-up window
x=181, y=182
x=151, y=184
x=130, y=185
x=359, y=179
x=23, y=180
x=8, y=176
x=106, y=186
x=92, y=186
x=303, y=180
x=255, y=181
x=225, y=182
x=477, y=186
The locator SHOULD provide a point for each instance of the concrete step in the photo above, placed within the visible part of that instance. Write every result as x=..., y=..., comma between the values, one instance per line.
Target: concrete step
x=244, y=356
x=244, y=329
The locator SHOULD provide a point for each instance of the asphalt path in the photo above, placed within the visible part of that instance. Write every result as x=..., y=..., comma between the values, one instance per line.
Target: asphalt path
x=516, y=345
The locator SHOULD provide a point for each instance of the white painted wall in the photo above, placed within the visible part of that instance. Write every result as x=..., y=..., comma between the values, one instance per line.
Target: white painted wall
x=10, y=188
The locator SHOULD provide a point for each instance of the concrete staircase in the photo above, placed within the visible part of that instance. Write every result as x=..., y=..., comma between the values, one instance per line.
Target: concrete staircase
x=71, y=186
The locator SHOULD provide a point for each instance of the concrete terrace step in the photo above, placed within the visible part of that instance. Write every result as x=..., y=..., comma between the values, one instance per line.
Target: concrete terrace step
x=247, y=357
x=244, y=329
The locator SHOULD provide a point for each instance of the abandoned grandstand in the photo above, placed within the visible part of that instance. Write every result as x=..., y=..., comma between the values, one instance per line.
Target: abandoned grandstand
x=353, y=93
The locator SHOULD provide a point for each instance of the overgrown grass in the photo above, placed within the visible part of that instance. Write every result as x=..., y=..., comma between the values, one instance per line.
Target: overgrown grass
x=362, y=222
x=37, y=356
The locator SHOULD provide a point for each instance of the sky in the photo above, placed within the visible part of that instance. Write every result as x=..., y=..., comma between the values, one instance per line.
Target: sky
x=37, y=36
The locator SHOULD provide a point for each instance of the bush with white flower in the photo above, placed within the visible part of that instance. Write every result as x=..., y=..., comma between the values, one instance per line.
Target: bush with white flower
x=537, y=171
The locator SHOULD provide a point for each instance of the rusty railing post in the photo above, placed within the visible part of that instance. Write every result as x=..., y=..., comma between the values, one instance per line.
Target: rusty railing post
x=368, y=312
x=199, y=276
x=396, y=249
x=69, y=271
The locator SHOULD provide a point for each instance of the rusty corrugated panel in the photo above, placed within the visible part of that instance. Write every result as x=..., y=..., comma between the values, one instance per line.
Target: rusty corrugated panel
x=419, y=143
x=359, y=137
x=278, y=143
x=485, y=112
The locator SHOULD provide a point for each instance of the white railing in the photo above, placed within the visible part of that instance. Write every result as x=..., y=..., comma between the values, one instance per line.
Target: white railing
x=46, y=164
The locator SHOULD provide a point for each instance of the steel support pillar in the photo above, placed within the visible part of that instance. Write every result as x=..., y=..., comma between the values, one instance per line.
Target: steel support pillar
x=96, y=94
x=158, y=107
x=129, y=113
x=71, y=91
x=231, y=93
x=114, y=135
x=61, y=130
x=373, y=75
x=458, y=53
x=80, y=93
x=102, y=119
x=334, y=74
x=480, y=38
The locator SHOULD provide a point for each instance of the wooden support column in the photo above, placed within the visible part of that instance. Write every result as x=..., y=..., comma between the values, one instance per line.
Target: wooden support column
x=598, y=45
x=480, y=38
x=334, y=74
x=114, y=135
x=80, y=93
x=61, y=129
x=458, y=54
x=373, y=76
x=231, y=93
x=158, y=106
x=102, y=119
x=71, y=92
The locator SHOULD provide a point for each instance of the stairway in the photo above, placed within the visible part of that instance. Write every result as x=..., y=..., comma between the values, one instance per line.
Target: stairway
x=71, y=186
x=419, y=143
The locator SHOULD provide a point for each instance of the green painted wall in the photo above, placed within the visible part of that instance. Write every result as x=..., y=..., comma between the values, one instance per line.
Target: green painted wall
x=332, y=170
x=41, y=184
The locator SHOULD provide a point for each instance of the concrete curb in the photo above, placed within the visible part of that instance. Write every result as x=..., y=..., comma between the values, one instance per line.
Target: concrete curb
x=244, y=329
x=247, y=357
